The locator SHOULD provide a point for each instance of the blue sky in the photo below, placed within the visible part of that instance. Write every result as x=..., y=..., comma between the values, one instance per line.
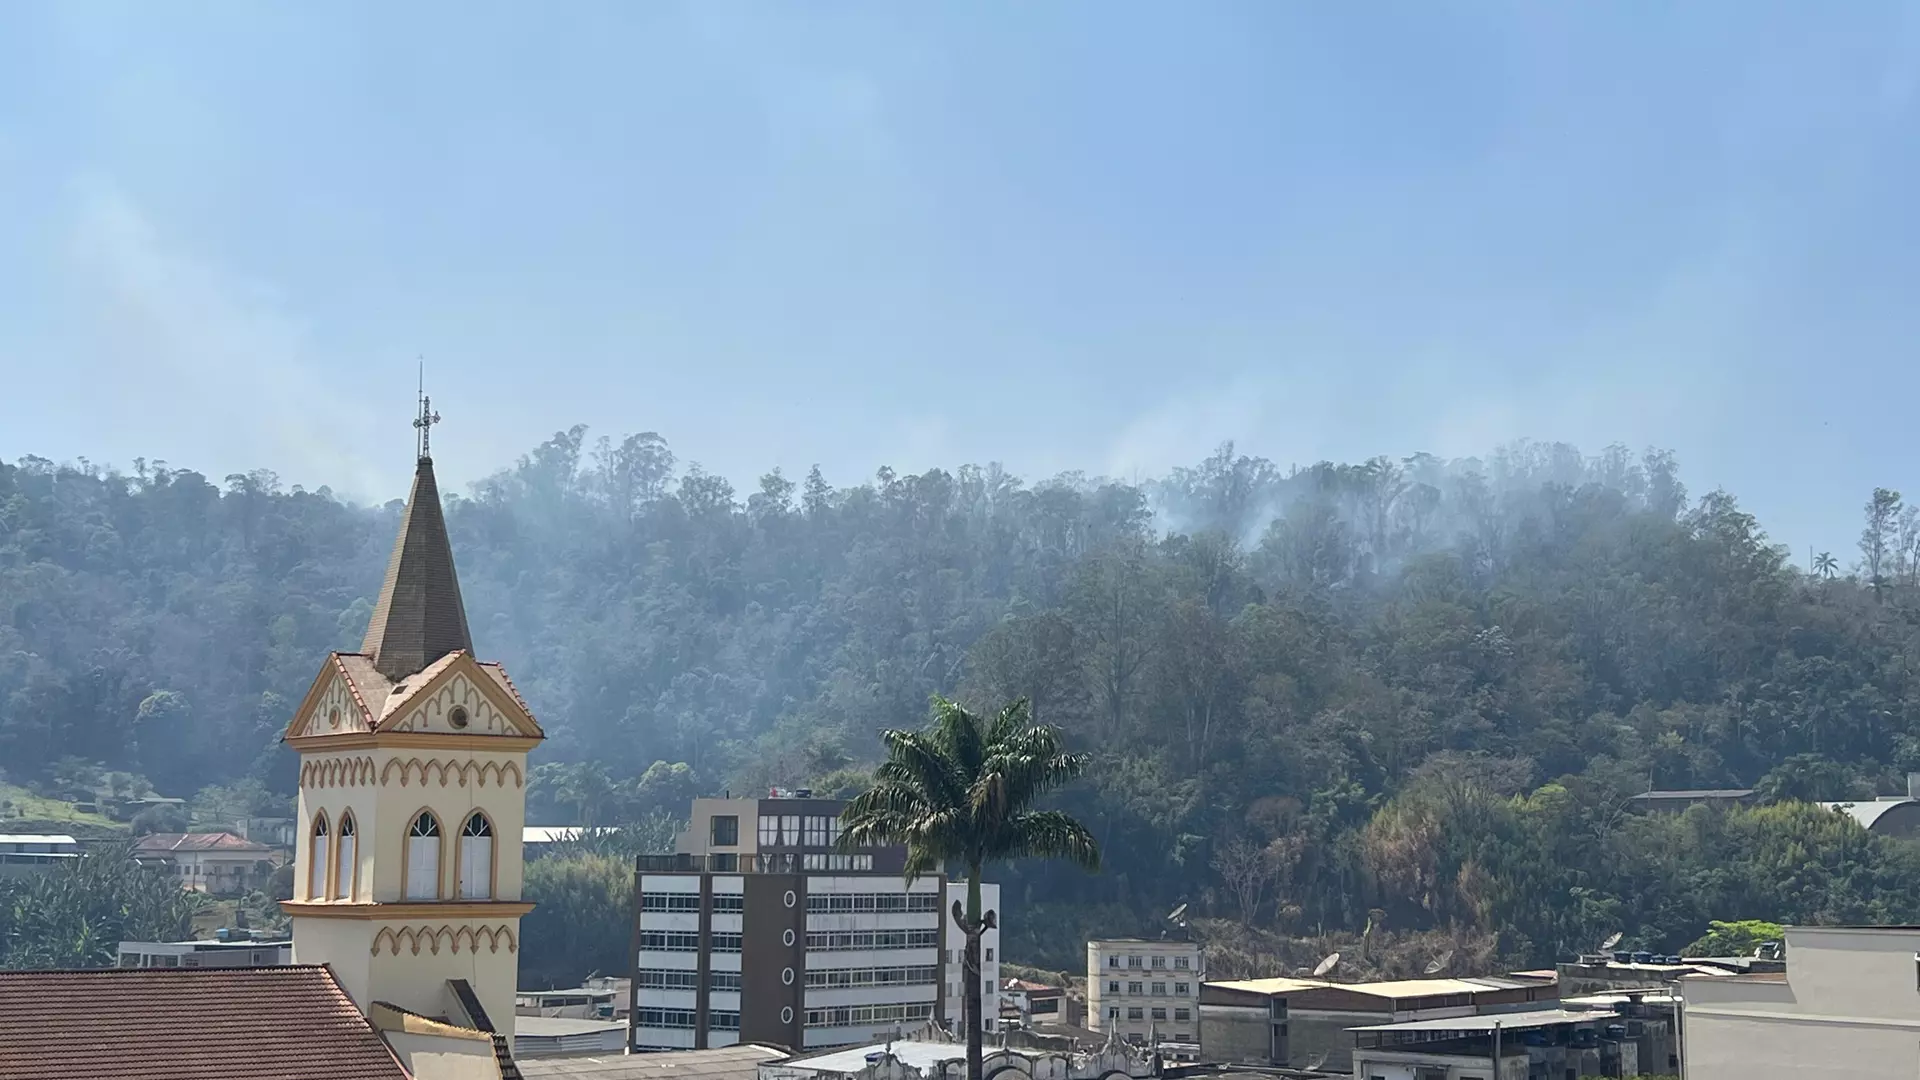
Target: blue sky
x=1063, y=236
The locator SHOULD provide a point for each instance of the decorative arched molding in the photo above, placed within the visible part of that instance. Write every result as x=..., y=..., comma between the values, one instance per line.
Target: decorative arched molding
x=434, y=938
x=337, y=772
x=414, y=770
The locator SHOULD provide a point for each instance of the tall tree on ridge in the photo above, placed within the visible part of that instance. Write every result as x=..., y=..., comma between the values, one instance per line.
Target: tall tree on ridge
x=961, y=792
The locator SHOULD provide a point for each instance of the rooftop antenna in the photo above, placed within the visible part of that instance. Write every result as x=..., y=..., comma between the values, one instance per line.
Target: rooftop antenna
x=1178, y=916
x=1331, y=961
x=1612, y=940
x=1318, y=1060
x=1440, y=963
x=427, y=418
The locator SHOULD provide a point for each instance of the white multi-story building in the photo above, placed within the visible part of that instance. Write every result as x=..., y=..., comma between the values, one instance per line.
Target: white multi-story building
x=764, y=931
x=1848, y=1005
x=1145, y=989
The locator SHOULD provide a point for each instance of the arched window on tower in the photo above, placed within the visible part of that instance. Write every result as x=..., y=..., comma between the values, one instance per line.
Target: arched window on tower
x=423, y=857
x=345, y=873
x=476, y=857
x=317, y=858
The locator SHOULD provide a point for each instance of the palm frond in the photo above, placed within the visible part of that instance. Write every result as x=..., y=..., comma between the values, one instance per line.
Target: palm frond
x=1046, y=834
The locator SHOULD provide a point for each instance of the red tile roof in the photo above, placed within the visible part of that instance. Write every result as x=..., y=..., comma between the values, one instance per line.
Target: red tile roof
x=212, y=841
x=273, y=1023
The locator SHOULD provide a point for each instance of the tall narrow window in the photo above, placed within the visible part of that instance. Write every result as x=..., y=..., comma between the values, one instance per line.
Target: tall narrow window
x=476, y=857
x=317, y=859
x=423, y=858
x=349, y=858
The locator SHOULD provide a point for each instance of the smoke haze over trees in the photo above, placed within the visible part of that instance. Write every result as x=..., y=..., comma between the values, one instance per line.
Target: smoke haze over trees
x=1412, y=691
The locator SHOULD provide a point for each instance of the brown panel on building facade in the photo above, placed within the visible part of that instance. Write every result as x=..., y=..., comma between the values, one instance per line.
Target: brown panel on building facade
x=773, y=973
x=703, y=977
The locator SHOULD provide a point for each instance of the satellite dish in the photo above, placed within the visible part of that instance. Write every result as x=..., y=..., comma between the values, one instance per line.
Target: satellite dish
x=1177, y=914
x=1440, y=963
x=1612, y=940
x=1318, y=1060
x=1332, y=961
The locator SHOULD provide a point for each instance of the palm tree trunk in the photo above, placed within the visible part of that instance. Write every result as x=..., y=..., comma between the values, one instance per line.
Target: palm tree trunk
x=970, y=973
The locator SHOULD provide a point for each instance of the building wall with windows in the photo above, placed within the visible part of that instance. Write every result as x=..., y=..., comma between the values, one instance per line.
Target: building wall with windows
x=956, y=953
x=783, y=827
x=1145, y=989
x=801, y=960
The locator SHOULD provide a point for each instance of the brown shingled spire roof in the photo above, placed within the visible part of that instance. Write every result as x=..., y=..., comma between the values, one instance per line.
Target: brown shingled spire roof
x=419, y=617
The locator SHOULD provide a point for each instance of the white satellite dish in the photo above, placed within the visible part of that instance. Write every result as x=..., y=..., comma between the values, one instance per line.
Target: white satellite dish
x=1177, y=914
x=1440, y=963
x=1332, y=961
x=1612, y=940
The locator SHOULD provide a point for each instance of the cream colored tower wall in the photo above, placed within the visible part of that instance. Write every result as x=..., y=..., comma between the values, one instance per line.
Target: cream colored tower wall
x=483, y=951
x=452, y=784
x=338, y=783
x=346, y=945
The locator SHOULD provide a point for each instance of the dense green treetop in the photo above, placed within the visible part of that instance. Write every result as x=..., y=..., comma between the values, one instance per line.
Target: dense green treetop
x=1417, y=688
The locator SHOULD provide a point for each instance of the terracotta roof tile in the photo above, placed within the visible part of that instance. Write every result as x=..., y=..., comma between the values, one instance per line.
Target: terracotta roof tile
x=404, y=690
x=273, y=1023
x=155, y=843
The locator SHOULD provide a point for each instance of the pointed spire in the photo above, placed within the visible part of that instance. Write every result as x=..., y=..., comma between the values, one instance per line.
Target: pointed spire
x=419, y=617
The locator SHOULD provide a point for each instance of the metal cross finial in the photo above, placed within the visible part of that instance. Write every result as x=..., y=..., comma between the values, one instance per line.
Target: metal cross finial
x=427, y=418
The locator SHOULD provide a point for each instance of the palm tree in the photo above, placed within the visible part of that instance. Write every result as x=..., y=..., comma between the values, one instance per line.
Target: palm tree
x=960, y=793
x=1825, y=565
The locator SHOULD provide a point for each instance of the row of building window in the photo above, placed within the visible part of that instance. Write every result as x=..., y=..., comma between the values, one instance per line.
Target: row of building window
x=667, y=979
x=792, y=830
x=685, y=941
x=723, y=903
x=852, y=1015
x=886, y=976
x=1180, y=963
x=686, y=1018
x=959, y=956
x=926, y=901
x=819, y=940
x=836, y=862
x=338, y=877
x=1159, y=989
x=1137, y=1013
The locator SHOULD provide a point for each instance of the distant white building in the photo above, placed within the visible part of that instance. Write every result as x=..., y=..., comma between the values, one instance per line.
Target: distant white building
x=1848, y=1005
x=1145, y=989
x=234, y=953
x=26, y=853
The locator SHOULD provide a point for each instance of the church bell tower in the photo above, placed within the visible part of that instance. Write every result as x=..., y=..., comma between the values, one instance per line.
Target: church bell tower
x=413, y=765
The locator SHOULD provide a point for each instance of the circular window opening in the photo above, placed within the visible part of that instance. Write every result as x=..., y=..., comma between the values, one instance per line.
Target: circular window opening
x=786, y=1014
x=333, y=718
x=458, y=717
x=786, y=937
x=789, y=898
x=786, y=976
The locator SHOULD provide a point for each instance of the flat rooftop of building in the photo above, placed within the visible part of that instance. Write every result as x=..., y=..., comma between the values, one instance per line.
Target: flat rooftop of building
x=553, y=1027
x=1620, y=997
x=1697, y=793
x=1511, y=1021
x=1399, y=988
x=740, y=1062
x=852, y=1059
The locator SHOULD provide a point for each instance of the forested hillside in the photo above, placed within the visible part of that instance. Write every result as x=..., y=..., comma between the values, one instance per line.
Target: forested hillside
x=1407, y=693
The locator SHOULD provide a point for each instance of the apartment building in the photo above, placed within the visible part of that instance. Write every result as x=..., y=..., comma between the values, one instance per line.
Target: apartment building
x=1145, y=989
x=761, y=930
